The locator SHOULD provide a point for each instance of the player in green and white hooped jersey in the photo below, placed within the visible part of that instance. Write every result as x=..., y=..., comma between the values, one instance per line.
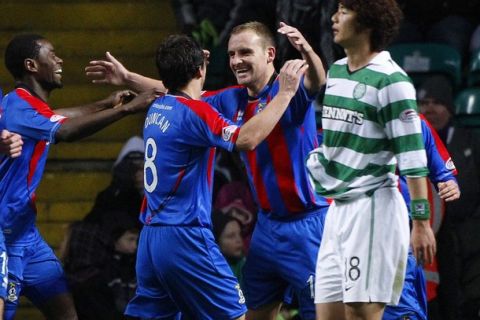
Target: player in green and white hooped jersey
x=370, y=126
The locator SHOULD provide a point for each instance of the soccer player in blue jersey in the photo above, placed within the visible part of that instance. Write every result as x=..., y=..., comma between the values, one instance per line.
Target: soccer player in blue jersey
x=179, y=266
x=413, y=301
x=10, y=145
x=288, y=232
x=33, y=269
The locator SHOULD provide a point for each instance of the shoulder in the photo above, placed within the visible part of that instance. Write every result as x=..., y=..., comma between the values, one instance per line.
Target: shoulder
x=199, y=108
x=231, y=90
x=340, y=62
x=23, y=97
x=387, y=69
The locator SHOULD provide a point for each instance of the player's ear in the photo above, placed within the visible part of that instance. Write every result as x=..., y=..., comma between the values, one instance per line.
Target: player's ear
x=201, y=71
x=30, y=65
x=270, y=54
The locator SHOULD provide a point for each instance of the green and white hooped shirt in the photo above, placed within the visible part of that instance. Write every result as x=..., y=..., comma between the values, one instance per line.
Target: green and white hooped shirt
x=370, y=126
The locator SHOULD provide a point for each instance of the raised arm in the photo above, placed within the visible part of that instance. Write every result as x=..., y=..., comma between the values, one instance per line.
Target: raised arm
x=259, y=127
x=112, y=71
x=315, y=77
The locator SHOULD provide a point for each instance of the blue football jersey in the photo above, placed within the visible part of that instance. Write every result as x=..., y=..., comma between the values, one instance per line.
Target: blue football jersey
x=2, y=124
x=180, y=137
x=276, y=168
x=440, y=164
x=33, y=119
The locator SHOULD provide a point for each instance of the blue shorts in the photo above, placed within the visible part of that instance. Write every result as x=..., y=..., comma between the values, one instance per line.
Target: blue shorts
x=181, y=269
x=35, y=272
x=282, y=256
x=413, y=301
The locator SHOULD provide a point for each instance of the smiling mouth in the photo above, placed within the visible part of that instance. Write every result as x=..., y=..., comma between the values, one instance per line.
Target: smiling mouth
x=241, y=71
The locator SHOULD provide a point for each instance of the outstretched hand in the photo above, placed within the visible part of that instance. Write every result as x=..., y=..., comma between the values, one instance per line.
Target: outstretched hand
x=290, y=75
x=10, y=144
x=109, y=71
x=120, y=97
x=141, y=102
x=295, y=37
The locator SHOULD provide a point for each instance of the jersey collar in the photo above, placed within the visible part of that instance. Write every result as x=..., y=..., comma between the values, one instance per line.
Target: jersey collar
x=23, y=86
x=265, y=89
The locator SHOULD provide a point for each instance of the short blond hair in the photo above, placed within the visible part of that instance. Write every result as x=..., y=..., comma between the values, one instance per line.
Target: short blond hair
x=258, y=28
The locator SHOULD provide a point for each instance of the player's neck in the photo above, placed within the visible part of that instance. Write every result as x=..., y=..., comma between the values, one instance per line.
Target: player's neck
x=192, y=90
x=35, y=88
x=359, y=56
x=255, y=89
x=189, y=94
x=359, y=51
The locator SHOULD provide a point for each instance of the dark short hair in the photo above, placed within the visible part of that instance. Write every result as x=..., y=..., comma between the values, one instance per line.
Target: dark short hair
x=178, y=59
x=259, y=29
x=381, y=16
x=21, y=47
x=219, y=222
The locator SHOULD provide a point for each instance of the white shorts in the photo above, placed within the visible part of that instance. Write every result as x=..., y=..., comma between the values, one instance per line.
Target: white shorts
x=363, y=254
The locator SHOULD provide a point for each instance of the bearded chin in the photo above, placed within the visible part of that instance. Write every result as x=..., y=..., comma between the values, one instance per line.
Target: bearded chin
x=51, y=85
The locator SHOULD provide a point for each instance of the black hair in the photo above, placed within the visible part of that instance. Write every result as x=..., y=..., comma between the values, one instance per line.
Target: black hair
x=178, y=59
x=383, y=17
x=219, y=222
x=21, y=47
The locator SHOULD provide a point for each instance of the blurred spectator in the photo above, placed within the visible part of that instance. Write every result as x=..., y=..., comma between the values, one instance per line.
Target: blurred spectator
x=84, y=251
x=125, y=191
x=227, y=233
x=235, y=199
x=99, y=252
x=111, y=281
x=228, y=168
x=458, y=238
x=435, y=96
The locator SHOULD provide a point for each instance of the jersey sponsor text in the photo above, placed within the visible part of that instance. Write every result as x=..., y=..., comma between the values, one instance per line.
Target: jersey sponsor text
x=342, y=115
